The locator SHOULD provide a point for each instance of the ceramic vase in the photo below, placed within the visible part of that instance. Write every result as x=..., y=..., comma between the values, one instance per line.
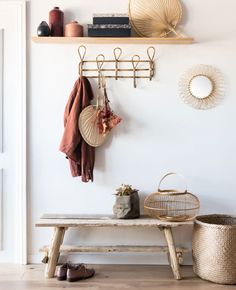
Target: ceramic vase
x=43, y=29
x=56, y=22
x=74, y=29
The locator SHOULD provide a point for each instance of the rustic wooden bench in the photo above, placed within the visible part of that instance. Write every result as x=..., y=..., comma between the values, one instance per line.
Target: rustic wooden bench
x=62, y=222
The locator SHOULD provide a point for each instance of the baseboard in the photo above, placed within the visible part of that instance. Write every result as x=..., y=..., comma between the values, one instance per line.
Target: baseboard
x=115, y=259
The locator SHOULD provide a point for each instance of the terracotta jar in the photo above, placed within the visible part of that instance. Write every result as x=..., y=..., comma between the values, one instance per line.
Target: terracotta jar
x=74, y=29
x=56, y=22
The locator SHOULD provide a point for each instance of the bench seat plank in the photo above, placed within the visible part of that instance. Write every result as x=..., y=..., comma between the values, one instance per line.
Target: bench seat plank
x=103, y=221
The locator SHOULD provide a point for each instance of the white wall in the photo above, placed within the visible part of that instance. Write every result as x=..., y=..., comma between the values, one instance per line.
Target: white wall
x=159, y=133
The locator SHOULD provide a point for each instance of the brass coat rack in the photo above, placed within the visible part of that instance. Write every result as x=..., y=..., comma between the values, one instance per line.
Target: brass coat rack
x=133, y=71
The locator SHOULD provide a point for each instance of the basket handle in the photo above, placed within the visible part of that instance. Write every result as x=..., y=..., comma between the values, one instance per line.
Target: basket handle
x=169, y=174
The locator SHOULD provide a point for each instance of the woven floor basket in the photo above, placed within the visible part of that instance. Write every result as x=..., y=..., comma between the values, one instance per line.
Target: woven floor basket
x=214, y=248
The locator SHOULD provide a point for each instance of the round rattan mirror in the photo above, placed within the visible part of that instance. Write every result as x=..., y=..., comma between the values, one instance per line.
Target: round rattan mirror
x=202, y=87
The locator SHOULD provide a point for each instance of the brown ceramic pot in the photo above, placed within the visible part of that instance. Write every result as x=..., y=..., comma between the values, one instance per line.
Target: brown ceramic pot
x=56, y=22
x=74, y=29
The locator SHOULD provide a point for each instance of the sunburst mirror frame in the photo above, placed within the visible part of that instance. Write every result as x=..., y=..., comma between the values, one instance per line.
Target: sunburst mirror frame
x=213, y=98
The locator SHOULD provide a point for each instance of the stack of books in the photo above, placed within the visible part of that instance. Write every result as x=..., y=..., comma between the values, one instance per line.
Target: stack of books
x=110, y=25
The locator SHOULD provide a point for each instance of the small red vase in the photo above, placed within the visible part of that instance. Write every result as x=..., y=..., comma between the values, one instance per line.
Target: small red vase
x=56, y=22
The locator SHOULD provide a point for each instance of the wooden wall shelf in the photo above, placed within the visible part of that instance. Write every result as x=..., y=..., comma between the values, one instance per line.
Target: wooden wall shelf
x=110, y=40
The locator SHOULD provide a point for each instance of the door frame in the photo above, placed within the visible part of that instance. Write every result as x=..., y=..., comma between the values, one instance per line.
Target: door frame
x=20, y=6
x=22, y=136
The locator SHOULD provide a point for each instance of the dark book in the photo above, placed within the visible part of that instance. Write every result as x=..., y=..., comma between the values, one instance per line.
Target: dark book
x=109, y=30
x=110, y=19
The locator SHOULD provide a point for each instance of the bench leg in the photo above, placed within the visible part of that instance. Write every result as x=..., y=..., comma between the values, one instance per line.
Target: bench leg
x=173, y=256
x=54, y=252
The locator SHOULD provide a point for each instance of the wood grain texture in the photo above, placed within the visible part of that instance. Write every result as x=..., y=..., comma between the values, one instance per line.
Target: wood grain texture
x=54, y=251
x=111, y=40
x=173, y=256
x=107, y=277
x=102, y=221
x=114, y=249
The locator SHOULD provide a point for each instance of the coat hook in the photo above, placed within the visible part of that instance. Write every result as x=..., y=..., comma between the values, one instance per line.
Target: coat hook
x=82, y=53
x=135, y=62
x=151, y=52
x=117, y=55
x=100, y=61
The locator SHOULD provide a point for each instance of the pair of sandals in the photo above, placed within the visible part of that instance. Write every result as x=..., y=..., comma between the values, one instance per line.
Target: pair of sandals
x=74, y=272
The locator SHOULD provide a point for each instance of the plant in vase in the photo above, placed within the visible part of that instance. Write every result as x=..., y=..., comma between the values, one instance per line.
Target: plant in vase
x=127, y=202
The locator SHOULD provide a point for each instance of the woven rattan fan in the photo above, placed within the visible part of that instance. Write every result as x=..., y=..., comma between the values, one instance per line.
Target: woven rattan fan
x=88, y=126
x=154, y=18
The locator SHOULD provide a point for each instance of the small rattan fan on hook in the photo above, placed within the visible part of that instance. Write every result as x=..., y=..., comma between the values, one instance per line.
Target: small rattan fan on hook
x=89, y=128
x=88, y=120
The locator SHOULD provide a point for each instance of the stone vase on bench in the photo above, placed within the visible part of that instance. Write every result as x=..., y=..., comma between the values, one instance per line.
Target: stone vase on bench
x=127, y=203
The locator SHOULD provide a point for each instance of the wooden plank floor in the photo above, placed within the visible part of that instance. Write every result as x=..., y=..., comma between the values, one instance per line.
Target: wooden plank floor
x=108, y=277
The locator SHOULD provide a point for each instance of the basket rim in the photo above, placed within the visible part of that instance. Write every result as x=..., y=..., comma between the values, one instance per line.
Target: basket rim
x=171, y=192
x=168, y=192
x=197, y=221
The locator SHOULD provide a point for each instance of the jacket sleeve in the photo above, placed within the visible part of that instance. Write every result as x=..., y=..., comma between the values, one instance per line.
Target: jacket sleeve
x=70, y=102
x=71, y=136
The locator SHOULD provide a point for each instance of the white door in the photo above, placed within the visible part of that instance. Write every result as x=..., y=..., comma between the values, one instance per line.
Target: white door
x=12, y=132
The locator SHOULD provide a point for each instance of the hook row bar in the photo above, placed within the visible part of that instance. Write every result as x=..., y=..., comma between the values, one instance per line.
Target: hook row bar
x=117, y=70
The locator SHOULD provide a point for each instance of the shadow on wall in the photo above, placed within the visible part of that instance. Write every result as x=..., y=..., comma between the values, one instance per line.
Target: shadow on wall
x=142, y=196
x=101, y=152
x=124, y=128
x=216, y=202
x=207, y=206
x=69, y=16
x=185, y=15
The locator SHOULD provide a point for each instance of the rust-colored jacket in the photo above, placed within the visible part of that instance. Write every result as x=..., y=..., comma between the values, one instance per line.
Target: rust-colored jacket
x=81, y=155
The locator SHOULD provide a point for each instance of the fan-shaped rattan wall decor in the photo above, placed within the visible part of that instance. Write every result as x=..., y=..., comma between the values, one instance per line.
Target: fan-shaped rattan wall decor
x=212, y=98
x=88, y=125
x=154, y=18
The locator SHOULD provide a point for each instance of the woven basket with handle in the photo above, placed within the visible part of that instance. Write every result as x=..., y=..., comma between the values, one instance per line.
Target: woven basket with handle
x=172, y=205
x=214, y=248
